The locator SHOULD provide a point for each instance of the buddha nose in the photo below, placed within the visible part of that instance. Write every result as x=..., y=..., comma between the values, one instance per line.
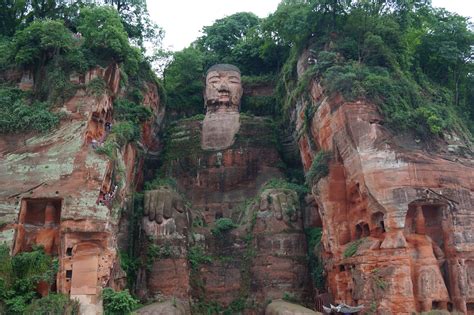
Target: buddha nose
x=223, y=86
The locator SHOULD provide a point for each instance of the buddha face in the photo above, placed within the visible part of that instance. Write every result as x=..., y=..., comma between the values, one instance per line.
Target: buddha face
x=223, y=90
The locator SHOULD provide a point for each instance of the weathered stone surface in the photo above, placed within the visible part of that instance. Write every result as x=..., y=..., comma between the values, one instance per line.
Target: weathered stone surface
x=170, y=307
x=280, y=307
x=165, y=205
x=219, y=130
x=166, y=225
x=169, y=277
x=280, y=263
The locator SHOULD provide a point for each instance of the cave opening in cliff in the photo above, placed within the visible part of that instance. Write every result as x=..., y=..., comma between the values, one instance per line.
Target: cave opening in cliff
x=426, y=227
x=436, y=305
x=378, y=224
x=38, y=224
x=362, y=230
x=427, y=219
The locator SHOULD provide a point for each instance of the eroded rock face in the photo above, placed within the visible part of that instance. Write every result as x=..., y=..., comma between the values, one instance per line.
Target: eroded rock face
x=279, y=265
x=171, y=307
x=219, y=130
x=397, y=221
x=57, y=191
x=166, y=224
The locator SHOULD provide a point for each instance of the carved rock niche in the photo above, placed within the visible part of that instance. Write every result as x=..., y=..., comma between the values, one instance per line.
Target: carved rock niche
x=38, y=224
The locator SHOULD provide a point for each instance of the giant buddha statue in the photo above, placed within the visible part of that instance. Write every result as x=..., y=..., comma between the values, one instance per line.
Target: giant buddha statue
x=222, y=102
x=220, y=166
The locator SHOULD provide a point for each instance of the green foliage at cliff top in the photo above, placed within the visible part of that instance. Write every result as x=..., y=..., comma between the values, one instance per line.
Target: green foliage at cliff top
x=55, y=39
x=412, y=60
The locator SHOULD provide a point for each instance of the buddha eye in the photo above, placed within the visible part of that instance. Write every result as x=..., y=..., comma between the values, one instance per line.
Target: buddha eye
x=235, y=80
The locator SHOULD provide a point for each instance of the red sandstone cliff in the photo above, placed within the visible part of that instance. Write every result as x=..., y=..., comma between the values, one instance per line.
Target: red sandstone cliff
x=397, y=218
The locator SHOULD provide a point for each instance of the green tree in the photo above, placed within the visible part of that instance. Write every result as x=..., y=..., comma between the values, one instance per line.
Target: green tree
x=46, y=9
x=183, y=80
x=40, y=42
x=18, y=115
x=36, y=46
x=103, y=32
x=256, y=53
x=446, y=50
x=137, y=21
x=19, y=276
x=290, y=23
x=120, y=302
x=12, y=15
x=221, y=38
x=16, y=14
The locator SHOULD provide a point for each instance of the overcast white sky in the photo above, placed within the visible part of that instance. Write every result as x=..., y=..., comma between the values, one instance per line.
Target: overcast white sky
x=183, y=19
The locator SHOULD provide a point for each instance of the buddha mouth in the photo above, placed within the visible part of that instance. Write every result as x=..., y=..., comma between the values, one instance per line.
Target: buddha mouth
x=224, y=96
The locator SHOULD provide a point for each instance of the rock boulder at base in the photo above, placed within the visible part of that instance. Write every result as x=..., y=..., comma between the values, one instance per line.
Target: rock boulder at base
x=280, y=307
x=169, y=307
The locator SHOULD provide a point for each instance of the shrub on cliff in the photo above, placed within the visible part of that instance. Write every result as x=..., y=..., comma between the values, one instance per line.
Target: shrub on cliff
x=19, y=116
x=276, y=183
x=197, y=256
x=54, y=304
x=316, y=267
x=405, y=104
x=222, y=225
x=20, y=275
x=125, y=132
x=161, y=182
x=352, y=248
x=126, y=110
x=96, y=87
x=319, y=168
x=118, y=303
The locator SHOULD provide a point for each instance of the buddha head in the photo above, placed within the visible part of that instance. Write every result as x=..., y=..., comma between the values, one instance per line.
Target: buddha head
x=223, y=88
